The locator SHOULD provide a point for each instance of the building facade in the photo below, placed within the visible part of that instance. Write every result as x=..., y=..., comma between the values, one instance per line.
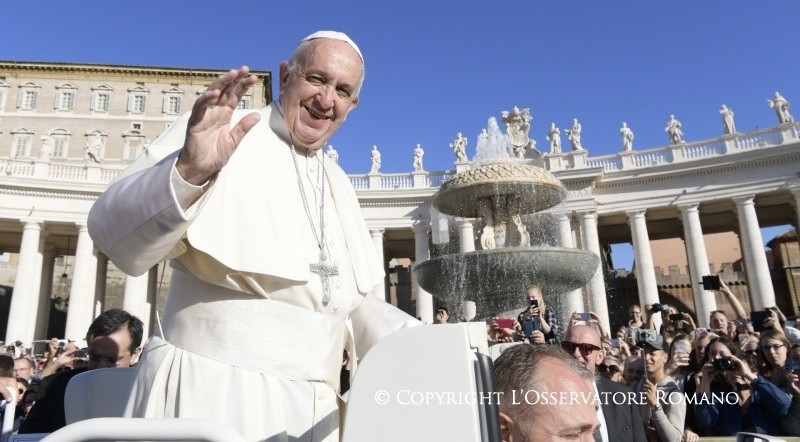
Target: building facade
x=67, y=130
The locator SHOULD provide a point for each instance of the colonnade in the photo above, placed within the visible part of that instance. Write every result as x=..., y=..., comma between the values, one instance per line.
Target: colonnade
x=29, y=310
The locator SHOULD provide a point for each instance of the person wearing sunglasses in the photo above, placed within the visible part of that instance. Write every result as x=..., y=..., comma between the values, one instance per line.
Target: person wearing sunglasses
x=611, y=369
x=618, y=421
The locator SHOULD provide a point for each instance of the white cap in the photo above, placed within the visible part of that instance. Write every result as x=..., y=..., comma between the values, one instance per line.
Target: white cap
x=335, y=35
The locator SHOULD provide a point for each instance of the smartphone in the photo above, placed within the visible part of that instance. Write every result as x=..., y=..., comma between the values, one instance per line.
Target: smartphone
x=505, y=323
x=676, y=317
x=615, y=343
x=758, y=318
x=535, y=303
x=584, y=316
x=81, y=353
x=711, y=282
x=742, y=337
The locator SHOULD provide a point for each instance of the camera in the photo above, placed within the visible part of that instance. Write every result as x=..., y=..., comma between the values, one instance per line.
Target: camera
x=655, y=308
x=723, y=364
x=643, y=336
x=711, y=282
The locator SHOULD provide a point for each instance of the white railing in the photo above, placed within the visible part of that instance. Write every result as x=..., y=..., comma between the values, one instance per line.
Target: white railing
x=102, y=174
x=609, y=163
x=397, y=181
x=64, y=172
x=703, y=150
x=359, y=182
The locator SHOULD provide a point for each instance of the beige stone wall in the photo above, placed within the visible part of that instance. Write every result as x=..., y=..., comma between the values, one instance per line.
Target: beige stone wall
x=117, y=121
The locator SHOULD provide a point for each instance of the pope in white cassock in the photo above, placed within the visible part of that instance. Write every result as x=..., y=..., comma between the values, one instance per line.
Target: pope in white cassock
x=272, y=263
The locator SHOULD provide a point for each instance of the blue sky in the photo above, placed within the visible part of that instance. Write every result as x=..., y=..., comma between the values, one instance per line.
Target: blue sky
x=438, y=67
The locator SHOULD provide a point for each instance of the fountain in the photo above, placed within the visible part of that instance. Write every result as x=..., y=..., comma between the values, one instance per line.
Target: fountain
x=500, y=190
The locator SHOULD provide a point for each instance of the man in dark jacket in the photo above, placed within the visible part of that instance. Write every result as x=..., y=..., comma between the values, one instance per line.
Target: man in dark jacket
x=619, y=415
x=114, y=339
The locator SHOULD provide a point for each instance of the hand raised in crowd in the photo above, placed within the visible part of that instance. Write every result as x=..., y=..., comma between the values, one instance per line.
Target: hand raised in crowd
x=8, y=389
x=650, y=391
x=690, y=436
x=210, y=141
x=792, y=378
x=537, y=337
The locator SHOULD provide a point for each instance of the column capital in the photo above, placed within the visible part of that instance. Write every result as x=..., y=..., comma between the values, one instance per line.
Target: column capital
x=566, y=215
x=421, y=226
x=31, y=223
x=463, y=222
x=638, y=213
x=692, y=207
x=746, y=200
x=590, y=214
x=377, y=231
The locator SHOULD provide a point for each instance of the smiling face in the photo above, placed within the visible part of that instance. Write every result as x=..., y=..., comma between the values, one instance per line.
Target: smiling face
x=318, y=89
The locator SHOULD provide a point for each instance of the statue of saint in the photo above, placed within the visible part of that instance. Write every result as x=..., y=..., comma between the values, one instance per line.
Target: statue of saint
x=574, y=135
x=781, y=107
x=93, y=145
x=418, y=153
x=48, y=144
x=627, y=137
x=459, y=146
x=332, y=154
x=728, y=126
x=376, y=160
x=554, y=137
x=517, y=127
x=674, y=130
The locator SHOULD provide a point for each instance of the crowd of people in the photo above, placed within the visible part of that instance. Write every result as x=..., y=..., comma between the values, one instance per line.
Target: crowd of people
x=739, y=374
x=38, y=382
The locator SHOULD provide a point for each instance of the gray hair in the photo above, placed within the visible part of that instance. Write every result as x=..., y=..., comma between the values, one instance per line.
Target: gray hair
x=519, y=367
x=301, y=51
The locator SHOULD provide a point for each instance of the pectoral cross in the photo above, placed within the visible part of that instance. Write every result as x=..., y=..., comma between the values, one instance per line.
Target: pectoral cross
x=325, y=271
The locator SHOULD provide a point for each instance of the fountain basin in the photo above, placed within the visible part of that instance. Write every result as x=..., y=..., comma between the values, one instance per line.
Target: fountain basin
x=533, y=188
x=496, y=279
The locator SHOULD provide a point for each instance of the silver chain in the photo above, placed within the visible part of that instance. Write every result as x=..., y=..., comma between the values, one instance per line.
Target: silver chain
x=320, y=238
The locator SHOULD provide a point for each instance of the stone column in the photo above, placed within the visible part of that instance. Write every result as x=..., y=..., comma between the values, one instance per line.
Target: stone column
x=100, y=284
x=597, y=286
x=24, y=298
x=45, y=293
x=759, y=282
x=796, y=194
x=466, y=235
x=645, y=273
x=81, y=293
x=705, y=301
x=571, y=301
x=377, y=240
x=422, y=253
x=135, y=299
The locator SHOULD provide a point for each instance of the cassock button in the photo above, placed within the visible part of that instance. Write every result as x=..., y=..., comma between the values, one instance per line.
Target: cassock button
x=322, y=396
x=335, y=307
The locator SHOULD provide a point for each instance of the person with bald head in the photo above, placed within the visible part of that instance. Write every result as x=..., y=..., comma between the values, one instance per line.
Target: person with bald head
x=526, y=373
x=273, y=266
x=619, y=416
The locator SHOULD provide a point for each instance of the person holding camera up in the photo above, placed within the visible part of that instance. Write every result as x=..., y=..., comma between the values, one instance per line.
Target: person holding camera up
x=539, y=325
x=758, y=403
x=665, y=410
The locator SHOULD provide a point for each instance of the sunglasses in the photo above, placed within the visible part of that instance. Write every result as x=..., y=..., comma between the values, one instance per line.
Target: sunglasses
x=585, y=349
x=610, y=369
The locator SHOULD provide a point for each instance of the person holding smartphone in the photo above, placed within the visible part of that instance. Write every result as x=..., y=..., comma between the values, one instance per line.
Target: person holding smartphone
x=539, y=324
